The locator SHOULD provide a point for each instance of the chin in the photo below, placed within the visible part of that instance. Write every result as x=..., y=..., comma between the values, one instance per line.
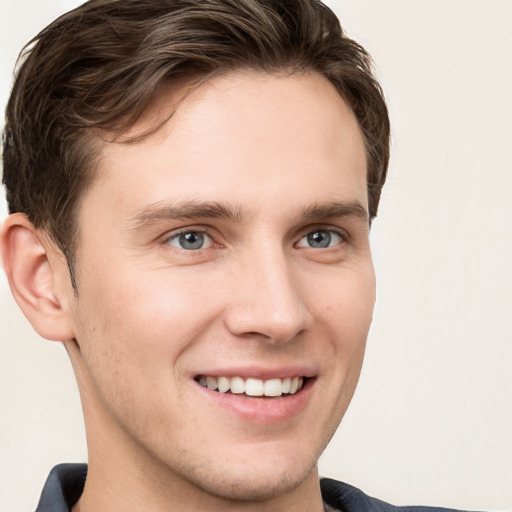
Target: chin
x=252, y=484
x=259, y=475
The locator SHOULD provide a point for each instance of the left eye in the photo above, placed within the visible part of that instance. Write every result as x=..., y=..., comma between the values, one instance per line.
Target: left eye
x=190, y=240
x=321, y=239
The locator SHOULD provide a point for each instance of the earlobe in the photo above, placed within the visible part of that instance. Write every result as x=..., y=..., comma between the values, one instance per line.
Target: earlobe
x=31, y=272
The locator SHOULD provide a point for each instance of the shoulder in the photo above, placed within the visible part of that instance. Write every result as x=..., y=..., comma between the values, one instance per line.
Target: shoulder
x=346, y=498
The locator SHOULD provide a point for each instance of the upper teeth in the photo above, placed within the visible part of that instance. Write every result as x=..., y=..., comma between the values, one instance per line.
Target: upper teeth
x=253, y=387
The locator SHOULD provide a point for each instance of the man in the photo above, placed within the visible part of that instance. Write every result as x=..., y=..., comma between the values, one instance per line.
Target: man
x=191, y=186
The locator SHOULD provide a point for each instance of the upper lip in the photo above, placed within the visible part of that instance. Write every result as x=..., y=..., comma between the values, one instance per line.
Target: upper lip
x=260, y=372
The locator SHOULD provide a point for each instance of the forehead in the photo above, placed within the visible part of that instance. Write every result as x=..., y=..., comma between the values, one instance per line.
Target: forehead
x=240, y=137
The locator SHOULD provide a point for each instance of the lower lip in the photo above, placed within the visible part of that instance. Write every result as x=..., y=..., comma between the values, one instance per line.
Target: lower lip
x=260, y=409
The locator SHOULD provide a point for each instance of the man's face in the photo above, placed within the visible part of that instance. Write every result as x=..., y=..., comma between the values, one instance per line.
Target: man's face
x=232, y=247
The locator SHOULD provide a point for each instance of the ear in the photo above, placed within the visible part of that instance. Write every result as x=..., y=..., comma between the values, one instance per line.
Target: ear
x=33, y=267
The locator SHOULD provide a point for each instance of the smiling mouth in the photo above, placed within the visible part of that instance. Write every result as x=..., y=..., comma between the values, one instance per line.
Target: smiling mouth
x=251, y=386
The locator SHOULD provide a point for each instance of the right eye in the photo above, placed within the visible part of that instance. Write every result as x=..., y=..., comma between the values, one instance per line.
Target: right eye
x=190, y=240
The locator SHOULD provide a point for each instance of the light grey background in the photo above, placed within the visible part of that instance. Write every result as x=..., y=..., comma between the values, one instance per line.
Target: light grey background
x=431, y=422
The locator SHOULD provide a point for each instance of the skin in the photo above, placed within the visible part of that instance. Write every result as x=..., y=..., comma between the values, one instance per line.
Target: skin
x=254, y=163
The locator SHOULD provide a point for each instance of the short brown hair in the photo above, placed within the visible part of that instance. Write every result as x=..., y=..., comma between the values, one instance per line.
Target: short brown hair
x=98, y=67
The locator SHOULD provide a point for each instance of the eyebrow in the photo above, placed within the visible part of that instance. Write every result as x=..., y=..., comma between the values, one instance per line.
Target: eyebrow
x=336, y=209
x=161, y=211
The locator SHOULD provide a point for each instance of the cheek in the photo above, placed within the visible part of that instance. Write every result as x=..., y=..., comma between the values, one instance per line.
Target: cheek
x=147, y=309
x=346, y=311
x=136, y=336
x=132, y=333
x=346, y=304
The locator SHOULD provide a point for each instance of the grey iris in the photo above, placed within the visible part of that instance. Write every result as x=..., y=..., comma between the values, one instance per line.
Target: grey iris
x=319, y=239
x=191, y=240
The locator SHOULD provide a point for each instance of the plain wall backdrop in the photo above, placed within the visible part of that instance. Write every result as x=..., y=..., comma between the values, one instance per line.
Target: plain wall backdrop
x=431, y=422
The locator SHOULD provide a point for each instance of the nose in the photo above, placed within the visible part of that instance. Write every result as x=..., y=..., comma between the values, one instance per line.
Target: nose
x=266, y=300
